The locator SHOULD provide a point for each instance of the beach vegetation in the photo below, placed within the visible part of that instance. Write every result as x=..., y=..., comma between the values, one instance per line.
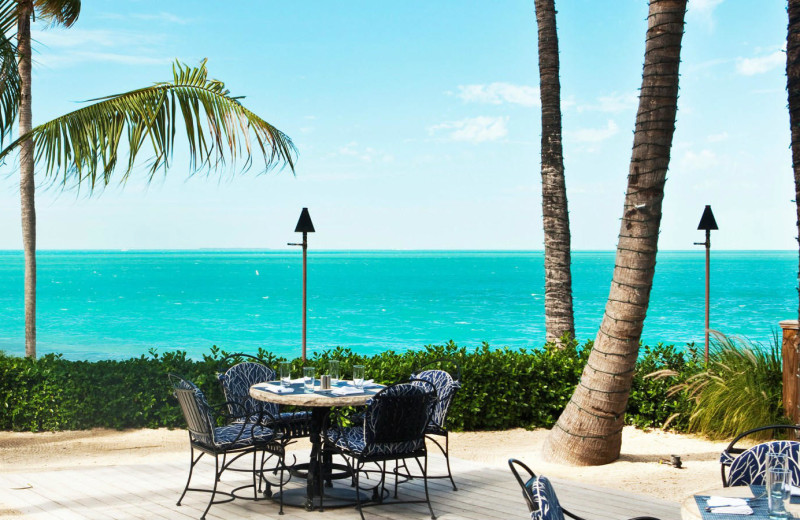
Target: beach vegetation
x=740, y=389
x=502, y=388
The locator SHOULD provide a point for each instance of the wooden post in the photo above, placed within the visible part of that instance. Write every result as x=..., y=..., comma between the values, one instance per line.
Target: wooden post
x=791, y=375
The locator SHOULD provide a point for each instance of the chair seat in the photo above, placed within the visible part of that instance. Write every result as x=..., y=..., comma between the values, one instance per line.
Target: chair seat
x=352, y=440
x=231, y=436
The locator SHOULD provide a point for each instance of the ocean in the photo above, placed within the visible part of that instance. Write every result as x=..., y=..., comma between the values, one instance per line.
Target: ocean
x=96, y=305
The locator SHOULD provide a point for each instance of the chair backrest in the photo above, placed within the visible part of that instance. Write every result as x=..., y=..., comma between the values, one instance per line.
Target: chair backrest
x=237, y=380
x=527, y=484
x=732, y=452
x=546, y=500
x=396, y=417
x=195, y=409
x=446, y=385
x=750, y=467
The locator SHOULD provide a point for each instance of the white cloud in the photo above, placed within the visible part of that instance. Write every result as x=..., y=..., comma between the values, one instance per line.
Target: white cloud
x=703, y=11
x=760, y=65
x=614, y=102
x=473, y=130
x=498, y=93
x=595, y=135
x=718, y=138
x=365, y=154
x=704, y=160
x=62, y=48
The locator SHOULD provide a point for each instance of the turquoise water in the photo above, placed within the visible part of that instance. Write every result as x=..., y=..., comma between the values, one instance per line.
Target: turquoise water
x=113, y=305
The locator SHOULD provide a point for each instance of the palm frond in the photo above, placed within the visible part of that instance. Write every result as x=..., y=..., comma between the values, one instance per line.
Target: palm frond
x=83, y=146
x=9, y=86
x=8, y=16
x=58, y=12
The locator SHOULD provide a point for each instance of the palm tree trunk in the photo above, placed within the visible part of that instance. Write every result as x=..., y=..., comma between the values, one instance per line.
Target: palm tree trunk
x=589, y=431
x=26, y=180
x=558, y=313
x=793, y=87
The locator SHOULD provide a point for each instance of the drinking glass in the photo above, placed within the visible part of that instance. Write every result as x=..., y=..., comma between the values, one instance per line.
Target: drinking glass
x=778, y=481
x=333, y=370
x=286, y=373
x=358, y=376
x=308, y=378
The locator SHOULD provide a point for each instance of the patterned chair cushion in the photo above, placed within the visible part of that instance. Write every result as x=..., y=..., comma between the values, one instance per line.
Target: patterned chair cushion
x=236, y=383
x=446, y=388
x=750, y=467
x=352, y=440
x=546, y=499
x=232, y=437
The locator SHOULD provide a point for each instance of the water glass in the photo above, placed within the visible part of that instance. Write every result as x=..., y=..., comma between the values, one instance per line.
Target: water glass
x=286, y=373
x=358, y=376
x=778, y=481
x=308, y=378
x=333, y=371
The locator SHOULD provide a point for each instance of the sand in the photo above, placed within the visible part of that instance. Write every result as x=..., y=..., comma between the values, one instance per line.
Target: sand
x=640, y=468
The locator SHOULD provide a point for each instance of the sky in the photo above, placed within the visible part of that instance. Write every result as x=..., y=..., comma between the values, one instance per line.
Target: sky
x=417, y=124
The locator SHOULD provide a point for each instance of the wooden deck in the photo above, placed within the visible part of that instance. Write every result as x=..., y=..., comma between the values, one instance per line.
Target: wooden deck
x=149, y=491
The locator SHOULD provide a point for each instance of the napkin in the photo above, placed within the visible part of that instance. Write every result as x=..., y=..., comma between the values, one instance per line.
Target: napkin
x=732, y=510
x=370, y=383
x=277, y=389
x=794, y=491
x=346, y=390
x=725, y=501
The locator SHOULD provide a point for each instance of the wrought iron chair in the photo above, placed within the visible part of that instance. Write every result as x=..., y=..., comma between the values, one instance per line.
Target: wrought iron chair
x=236, y=381
x=238, y=438
x=747, y=466
x=393, y=429
x=446, y=384
x=541, y=497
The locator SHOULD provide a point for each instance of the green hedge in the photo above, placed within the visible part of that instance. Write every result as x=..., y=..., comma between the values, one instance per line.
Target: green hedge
x=502, y=388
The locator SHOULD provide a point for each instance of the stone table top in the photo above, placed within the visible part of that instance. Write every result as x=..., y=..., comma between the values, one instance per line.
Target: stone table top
x=299, y=397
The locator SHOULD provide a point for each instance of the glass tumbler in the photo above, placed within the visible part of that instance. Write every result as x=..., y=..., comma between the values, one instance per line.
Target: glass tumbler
x=358, y=376
x=778, y=481
x=333, y=371
x=308, y=378
x=286, y=373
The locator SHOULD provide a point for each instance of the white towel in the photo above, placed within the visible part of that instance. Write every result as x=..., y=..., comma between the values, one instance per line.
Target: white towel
x=346, y=390
x=725, y=501
x=794, y=491
x=277, y=389
x=732, y=510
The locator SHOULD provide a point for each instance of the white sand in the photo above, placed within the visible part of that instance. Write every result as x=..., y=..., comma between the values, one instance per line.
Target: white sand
x=638, y=469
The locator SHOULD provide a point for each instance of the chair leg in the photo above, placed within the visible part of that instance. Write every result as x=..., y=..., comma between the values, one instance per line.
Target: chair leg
x=447, y=459
x=192, y=463
x=425, y=479
x=255, y=491
x=282, y=462
x=217, y=476
x=357, y=468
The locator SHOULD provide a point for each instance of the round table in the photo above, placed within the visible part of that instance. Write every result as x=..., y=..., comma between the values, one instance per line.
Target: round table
x=320, y=404
x=690, y=511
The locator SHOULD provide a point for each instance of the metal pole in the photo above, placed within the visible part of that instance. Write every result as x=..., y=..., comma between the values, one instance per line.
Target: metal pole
x=305, y=249
x=708, y=285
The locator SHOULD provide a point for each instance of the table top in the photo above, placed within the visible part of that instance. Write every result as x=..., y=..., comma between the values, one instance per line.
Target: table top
x=316, y=399
x=690, y=511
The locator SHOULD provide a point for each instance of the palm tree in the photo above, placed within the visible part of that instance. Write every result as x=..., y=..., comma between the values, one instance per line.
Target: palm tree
x=82, y=147
x=793, y=87
x=61, y=12
x=589, y=430
x=559, y=319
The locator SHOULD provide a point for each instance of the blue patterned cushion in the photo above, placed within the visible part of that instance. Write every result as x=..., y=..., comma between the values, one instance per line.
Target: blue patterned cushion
x=726, y=458
x=236, y=383
x=446, y=388
x=231, y=436
x=750, y=467
x=352, y=439
x=546, y=500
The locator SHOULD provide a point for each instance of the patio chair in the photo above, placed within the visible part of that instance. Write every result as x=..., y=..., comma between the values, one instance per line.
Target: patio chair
x=393, y=429
x=236, y=381
x=238, y=438
x=541, y=497
x=446, y=384
x=747, y=466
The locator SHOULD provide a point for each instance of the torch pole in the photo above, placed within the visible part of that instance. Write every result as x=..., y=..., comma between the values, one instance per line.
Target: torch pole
x=708, y=289
x=305, y=250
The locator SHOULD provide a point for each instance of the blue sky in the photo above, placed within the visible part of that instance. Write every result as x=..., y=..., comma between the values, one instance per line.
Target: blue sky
x=418, y=124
